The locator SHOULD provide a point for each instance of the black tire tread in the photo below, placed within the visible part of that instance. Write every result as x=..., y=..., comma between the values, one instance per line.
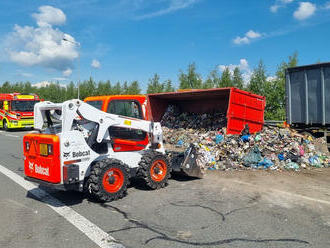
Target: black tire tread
x=94, y=185
x=144, y=169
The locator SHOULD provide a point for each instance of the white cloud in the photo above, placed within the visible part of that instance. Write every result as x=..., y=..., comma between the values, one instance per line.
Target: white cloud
x=271, y=78
x=25, y=74
x=287, y=1
x=279, y=4
x=173, y=6
x=47, y=83
x=42, y=45
x=327, y=5
x=304, y=11
x=67, y=72
x=95, y=64
x=249, y=36
x=59, y=79
x=241, y=40
x=243, y=66
x=252, y=34
x=49, y=15
x=274, y=8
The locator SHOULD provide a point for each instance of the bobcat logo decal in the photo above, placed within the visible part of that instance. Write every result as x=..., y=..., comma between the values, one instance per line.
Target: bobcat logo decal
x=66, y=154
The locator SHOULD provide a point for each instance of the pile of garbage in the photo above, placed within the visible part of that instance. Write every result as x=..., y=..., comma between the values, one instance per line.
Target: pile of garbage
x=175, y=119
x=274, y=148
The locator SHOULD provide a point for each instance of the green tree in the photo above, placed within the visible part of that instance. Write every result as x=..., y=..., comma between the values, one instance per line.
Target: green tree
x=134, y=88
x=237, y=78
x=191, y=79
x=87, y=88
x=275, y=91
x=71, y=91
x=258, y=79
x=6, y=87
x=167, y=86
x=53, y=93
x=124, y=89
x=226, y=80
x=18, y=87
x=107, y=87
x=117, y=89
x=154, y=85
x=213, y=80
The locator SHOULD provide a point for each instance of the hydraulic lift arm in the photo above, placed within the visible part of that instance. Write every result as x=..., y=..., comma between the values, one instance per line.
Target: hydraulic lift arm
x=77, y=109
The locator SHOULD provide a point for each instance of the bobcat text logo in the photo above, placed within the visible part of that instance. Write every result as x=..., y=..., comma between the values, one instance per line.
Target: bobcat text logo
x=80, y=154
x=38, y=169
x=41, y=170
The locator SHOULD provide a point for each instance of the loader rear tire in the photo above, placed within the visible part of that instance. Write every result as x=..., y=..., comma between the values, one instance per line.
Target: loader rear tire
x=108, y=180
x=155, y=169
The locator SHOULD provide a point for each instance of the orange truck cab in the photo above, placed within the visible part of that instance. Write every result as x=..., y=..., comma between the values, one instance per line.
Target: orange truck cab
x=16, y=110
x=134, y=106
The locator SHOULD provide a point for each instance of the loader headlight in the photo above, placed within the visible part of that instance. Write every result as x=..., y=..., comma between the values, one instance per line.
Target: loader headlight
x=46, y=149
x=27, y=146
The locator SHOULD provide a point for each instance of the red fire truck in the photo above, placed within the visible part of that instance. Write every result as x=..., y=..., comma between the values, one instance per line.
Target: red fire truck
x=16, y=110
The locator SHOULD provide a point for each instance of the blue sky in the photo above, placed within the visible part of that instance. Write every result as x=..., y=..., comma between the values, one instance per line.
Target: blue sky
x=133, y=39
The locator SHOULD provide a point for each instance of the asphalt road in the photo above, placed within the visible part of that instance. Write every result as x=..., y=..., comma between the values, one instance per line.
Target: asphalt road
x=225, y=209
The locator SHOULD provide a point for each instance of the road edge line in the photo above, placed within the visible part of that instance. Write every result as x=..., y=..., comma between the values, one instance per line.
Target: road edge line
x=92, y=231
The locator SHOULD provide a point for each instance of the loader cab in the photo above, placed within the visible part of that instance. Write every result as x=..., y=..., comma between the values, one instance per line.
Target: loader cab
x=133, y=106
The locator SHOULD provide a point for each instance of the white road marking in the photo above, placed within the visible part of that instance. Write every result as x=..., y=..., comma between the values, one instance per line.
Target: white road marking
x=10, y=135
x=93, y=232
x=287, y=193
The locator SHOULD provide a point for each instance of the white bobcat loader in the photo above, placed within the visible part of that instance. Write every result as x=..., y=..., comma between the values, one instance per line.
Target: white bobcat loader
x=74, y=150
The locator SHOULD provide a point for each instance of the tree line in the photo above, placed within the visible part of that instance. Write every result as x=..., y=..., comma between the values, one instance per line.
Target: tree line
x=273, y=89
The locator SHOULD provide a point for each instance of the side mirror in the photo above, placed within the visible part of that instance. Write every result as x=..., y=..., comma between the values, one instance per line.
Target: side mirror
x=5, y=105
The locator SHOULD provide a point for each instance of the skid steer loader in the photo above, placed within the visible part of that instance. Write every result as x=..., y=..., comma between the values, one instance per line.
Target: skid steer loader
x=74, y=150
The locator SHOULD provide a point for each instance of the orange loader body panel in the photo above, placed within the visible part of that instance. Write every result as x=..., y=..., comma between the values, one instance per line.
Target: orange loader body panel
x=46, y=168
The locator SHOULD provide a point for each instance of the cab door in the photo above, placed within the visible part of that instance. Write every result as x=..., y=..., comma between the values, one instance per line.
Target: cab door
x=126, y=139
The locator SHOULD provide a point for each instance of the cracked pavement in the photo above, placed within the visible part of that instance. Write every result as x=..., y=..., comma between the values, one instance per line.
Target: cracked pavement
x=226, y=209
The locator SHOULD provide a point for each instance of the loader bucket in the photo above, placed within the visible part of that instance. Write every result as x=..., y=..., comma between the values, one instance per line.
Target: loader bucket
x=186, y=162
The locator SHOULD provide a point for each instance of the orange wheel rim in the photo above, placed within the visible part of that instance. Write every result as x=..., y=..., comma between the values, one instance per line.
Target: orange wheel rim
x=158, y=170
x=113, y=180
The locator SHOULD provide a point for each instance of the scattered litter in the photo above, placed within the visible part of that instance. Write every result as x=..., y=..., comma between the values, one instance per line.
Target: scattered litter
x=273, y=148
x=292, y=166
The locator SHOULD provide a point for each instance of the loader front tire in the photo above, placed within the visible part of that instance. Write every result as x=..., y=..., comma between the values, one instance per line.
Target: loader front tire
x=155, y=169
x=108, y=180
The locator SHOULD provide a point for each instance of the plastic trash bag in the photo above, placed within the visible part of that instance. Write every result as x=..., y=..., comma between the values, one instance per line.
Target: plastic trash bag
x=245, y=138
x=218, y=138
x=252, y=158
x=266, y=163
x=292, y=166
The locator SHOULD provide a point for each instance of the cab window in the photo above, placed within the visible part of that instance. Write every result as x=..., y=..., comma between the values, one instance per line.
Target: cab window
x=96, y=104
x=1, y=104
x=129, y=108
x=127, y=133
